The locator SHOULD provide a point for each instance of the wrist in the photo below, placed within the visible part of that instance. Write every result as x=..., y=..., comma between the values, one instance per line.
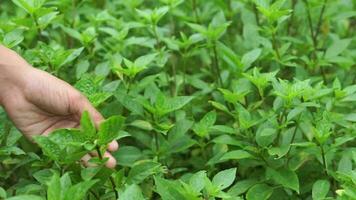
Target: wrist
x=13, y=72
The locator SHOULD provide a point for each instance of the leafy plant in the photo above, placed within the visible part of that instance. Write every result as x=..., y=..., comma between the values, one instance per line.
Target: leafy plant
x=237, y=99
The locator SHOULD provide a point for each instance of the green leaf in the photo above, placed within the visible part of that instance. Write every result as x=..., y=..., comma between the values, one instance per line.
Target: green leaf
x=46, y=19
x=250, y=57
x=203, y=126
x=235, y=155
x=13, y=38
x=351, y=117
x=54, y=188
x=132, y=192
x=79, y=190
x=81, y=68
x=285, y=177
x=224, y=178
x=87, y=125
x=259, y=192
x=26, y=197
x=142, y=170
x=70, y=56
x=127, y=155
x=90, y=172
x=175, y=103
x=109, y=129
x=168, y=190
x=320, y=189
x=144, y=125
x=241, y=187
x=49, y=148
x=337, y=47
x=3, y=194
x=30, y=6
x=265, y=136
x=197, y=181
x=143, y=61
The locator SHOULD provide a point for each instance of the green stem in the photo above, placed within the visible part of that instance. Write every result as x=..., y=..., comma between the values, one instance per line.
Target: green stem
x=94, y=194
x=216, y=65
x=290, y=23
x=174, y=72
x=157, y=144
x=320, y=19
x=292, y=140
x=274, y=44
x=323, y=159
x=37, y=26
x=255, y=11
x=184, y=76
x=314, y=35
x=158, y=42
x=113, y=185
x=194, y=5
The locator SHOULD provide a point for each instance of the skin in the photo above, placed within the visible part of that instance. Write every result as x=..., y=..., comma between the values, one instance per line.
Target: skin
x=38, y=103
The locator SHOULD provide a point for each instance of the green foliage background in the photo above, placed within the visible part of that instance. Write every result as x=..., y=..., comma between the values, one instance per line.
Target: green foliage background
x=233, y=99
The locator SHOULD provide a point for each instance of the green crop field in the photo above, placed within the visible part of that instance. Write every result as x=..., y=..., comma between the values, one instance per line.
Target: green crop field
x=208, y=99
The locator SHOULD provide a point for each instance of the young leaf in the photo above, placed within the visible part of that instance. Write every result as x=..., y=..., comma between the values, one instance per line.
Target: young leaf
x=203, y=126
x=142, y=170
x=79, y=190
x=87, y=125
x=259, y=192
x=26, y=197
x=224, y=178
x=320, y=189
x=285, y=177
x=109, y=129
x=49, y=148
x=249, y=58
x=54, y=188
x=132, y=192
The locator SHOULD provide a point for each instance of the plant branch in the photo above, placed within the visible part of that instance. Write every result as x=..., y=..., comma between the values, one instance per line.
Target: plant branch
x=110, y=178
x=291, y=20
x=216, y=65
x=323, y=159
x=274, y=44
x=194, y=5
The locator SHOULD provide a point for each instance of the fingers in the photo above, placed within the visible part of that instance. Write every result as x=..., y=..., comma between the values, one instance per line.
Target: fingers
x=85, y=160
x=110, y=163
x=113, y=146
x=80, y=103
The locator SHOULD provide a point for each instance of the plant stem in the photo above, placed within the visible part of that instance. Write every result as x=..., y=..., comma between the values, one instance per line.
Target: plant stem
x=37, y=26
x=290, y=23
x=110, y=178
x=184, y=72
x=255, y=11
x=314, y=35
x=174, y=72
x=292, y=140
x=158, y=42
x=310, y=23
x=194, y=5
x=323, y=159
x=320, y=19
x=157, y=144
x=216, y=65
x=94, y=194
x=274, y=44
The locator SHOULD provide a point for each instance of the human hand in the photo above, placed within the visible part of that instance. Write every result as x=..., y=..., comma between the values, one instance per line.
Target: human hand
x=39, y=103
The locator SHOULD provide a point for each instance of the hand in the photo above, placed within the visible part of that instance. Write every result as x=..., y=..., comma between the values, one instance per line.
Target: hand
x=39, y=103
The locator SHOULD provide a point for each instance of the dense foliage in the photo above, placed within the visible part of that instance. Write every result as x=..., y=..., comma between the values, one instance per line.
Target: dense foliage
x=209, y=99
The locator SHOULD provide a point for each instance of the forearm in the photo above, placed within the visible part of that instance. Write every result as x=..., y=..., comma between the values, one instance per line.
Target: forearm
x=13, y=71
